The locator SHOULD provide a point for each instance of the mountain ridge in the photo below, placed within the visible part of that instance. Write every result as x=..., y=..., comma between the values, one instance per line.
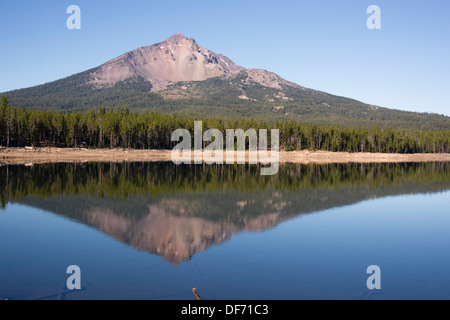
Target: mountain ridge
x=177, y=58
x=178, y=76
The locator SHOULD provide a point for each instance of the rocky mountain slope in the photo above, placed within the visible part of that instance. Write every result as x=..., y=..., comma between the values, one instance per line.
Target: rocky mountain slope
x=175, y=59
x=179, y=76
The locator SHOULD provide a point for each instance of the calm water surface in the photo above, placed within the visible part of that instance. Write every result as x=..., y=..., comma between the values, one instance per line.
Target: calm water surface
x=156, y=230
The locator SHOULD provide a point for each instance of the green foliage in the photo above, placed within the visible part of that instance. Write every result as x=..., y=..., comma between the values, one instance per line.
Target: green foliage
x=122, y=128
x=225, y=97
x=73, y=94
x=215, y=191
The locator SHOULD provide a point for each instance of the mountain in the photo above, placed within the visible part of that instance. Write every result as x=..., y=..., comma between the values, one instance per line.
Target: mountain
x=178, y=76
x=177, y=213
x=175, y=59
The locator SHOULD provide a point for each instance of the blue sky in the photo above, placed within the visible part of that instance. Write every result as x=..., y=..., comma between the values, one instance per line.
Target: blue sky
x=322, y=44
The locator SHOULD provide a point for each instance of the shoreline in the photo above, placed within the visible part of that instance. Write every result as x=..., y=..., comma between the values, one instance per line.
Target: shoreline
x=30, y=156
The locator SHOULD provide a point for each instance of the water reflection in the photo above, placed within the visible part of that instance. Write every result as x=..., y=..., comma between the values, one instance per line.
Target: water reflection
x=177, y=211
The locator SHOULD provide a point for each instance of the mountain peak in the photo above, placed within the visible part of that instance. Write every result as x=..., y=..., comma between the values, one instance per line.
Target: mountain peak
x=177, y=58
x=176, y=37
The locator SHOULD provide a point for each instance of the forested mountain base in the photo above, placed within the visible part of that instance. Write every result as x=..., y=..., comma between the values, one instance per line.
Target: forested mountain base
x=121, y=128
x=233, y=97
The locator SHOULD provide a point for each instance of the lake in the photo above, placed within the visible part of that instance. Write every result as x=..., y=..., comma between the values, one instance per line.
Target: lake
x=155, y=230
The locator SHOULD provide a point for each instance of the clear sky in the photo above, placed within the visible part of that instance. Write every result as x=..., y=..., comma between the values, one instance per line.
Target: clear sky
x=321, y=44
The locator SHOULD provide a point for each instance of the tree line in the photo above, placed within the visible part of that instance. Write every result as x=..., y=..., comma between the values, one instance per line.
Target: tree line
x=221, y=96
x=121, y=128
x=165, y=179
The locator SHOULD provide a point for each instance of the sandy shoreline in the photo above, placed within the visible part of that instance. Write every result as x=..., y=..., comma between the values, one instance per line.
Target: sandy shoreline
x=29, y=156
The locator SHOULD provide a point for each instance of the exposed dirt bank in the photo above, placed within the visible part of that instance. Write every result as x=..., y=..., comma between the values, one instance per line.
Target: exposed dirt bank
x=52, y=155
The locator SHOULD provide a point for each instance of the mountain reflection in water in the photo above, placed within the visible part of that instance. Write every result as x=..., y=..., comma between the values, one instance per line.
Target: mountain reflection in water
x=176, y=211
